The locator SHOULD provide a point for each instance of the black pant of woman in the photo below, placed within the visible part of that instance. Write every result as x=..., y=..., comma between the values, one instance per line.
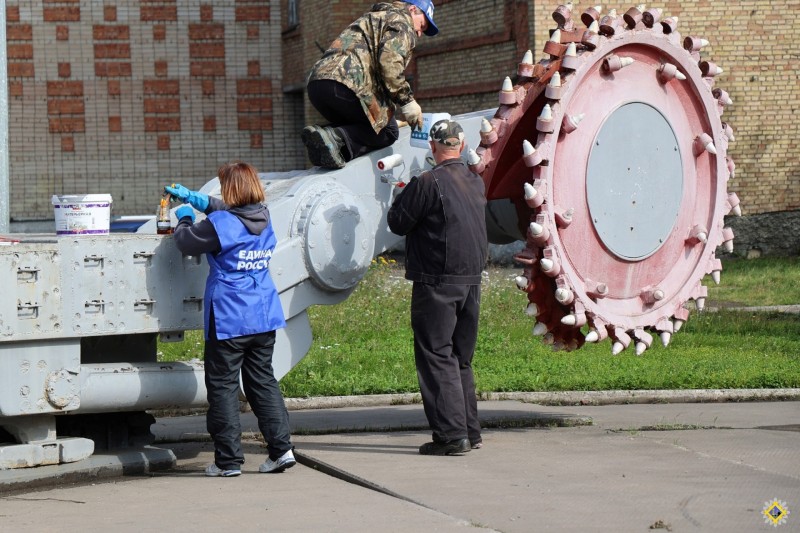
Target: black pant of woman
x=252, y=354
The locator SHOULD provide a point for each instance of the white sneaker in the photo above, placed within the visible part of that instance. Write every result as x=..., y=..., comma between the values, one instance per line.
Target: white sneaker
x=282, y=463
x=213, y=470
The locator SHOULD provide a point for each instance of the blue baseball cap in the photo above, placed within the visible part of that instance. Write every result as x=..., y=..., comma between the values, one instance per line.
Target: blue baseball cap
x=426, y=6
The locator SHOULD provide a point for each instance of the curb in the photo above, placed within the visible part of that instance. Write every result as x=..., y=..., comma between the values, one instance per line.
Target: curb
x=615, y=397
x=103, y=465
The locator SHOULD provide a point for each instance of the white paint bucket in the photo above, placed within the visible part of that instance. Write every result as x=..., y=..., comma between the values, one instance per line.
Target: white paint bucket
x=82, y=214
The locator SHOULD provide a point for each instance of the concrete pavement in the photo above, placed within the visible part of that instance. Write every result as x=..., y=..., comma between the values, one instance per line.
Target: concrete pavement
x=637, y=467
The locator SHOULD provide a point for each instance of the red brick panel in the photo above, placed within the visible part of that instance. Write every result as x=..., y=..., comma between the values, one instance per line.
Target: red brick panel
x=62, y=14
x=162, y=109
x=112, y=51
x=258, y=123
x=20, y=70
x=159, y=87
x=15, y=88
x=155, y=124
x=161, y=69
x=19, y=32
x=65, y=106
x=114, y=124
x=114, y=88
x=67, y=125
x=206, y=32
x=252, y=14
x=162, y=105
x=253, y=105
x=112, y=59
x=206, y=50
x=66, y=109
x=159, y=32
x=12, y=13
x=159, y=14
x=209, y=88
x=112, y=70
x=253, y=87
x=111, y=33
x=207, y=69
x=19, y=49
x=64, y=88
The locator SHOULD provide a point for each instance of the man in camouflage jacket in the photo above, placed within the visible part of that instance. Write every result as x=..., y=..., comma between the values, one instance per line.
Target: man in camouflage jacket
x=359, y=82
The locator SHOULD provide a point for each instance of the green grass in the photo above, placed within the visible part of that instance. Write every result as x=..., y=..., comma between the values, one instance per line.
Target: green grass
x=364, y=345
x=766, y=281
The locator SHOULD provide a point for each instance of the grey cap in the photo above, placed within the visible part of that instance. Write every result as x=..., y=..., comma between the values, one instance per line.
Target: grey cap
x=447, y=132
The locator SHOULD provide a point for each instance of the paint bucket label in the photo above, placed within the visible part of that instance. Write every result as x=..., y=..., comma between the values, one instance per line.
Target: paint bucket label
x=82, y=214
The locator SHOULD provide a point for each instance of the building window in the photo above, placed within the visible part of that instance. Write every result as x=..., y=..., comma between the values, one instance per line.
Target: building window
x=293, y=14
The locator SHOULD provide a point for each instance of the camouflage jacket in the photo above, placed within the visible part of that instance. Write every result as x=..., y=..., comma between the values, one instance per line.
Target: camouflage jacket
x=370, y=57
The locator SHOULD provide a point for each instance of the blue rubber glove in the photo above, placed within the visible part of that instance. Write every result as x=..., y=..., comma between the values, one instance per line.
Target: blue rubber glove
x=183, y=212
x=197, y=200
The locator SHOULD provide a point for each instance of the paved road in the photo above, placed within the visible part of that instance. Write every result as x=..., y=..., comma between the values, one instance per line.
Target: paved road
x=671, y=467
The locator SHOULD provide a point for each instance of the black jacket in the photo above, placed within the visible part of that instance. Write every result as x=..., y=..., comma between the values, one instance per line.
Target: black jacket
x=442, y=215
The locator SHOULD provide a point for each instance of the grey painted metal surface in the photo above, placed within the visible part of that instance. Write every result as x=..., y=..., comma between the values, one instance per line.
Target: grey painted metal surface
x=4, y=179
x=635, y=181
x=80, y=314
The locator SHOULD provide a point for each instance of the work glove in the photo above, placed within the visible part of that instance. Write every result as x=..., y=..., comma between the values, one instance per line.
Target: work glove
x=183, y=212
x=197, y=200
x=413, y=114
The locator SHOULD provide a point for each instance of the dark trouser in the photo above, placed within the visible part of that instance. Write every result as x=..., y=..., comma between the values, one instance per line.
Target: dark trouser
x=342, y=108
x=223, y=360
x=445, y=323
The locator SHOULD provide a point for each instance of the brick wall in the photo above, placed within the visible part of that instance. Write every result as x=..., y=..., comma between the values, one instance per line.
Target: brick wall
x=124, y=96
x=120, y=97
x=755, y=43
x=481, y=41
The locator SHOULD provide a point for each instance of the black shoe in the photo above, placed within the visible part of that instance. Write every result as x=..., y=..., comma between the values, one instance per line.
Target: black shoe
x=324, y=146
x=451, y=447
x=313, y=154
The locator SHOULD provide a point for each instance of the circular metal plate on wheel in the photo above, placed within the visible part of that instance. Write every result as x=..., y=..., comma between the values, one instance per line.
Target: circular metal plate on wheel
x=634, y=181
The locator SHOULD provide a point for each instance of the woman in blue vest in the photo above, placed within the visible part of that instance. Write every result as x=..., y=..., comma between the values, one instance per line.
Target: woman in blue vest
x=242, y=311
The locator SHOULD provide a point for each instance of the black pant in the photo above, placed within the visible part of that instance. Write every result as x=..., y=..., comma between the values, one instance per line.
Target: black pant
x=445, y=323
x=223, y=361
x=342, y=108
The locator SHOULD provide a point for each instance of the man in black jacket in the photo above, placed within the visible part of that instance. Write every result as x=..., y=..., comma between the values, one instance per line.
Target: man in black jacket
x=441, y=213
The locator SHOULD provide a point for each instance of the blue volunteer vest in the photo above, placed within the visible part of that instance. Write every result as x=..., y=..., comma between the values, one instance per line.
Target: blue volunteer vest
x=239, y=286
